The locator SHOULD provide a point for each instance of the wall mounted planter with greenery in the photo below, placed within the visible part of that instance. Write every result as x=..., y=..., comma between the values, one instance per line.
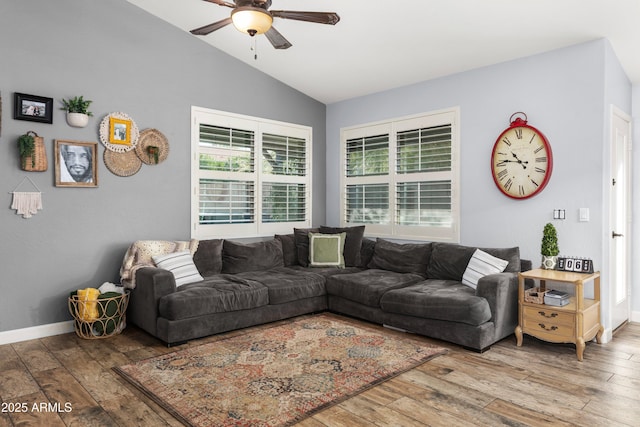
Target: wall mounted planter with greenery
x=77, y=109
x=33, y=156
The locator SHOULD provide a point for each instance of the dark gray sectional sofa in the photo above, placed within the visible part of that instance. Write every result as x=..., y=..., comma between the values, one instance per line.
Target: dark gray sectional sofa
x=416, y=287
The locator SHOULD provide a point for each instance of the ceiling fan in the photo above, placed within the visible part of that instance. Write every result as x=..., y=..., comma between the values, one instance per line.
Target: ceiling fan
x=254, y=17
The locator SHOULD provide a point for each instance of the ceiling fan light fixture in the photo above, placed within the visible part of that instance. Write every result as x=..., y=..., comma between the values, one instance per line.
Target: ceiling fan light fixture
x=251, y=20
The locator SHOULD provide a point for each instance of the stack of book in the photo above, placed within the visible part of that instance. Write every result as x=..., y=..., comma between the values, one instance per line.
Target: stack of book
x=557, y=298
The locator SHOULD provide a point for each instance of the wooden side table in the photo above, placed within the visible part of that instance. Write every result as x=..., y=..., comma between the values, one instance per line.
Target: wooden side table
x=577, y=322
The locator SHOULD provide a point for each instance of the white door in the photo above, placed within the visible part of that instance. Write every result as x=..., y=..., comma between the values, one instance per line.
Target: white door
x=620, y=232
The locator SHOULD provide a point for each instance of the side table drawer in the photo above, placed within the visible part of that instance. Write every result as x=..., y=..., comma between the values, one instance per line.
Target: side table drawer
x=549, y=325
x=544, y=314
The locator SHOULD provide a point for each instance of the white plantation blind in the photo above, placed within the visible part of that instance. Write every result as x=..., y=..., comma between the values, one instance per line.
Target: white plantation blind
x=401, y=177
x=284, y=155
x=236, y=193
x=368, y=156
x=226, y=149
x=226, y=202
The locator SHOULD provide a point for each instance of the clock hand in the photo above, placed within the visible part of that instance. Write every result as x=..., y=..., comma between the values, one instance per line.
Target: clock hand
x=520, y=161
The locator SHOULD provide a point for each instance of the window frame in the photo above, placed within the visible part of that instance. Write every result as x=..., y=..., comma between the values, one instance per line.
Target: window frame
x=392, y=127
x=259, y=126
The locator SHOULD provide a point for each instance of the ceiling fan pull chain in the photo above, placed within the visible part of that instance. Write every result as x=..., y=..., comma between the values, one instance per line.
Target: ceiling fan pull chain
x=254, y=48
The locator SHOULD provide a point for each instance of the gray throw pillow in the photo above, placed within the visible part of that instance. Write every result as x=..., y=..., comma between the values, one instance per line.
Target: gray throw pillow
x=352, y=244
x=208, y=257
x=289, y=250
x=401, y=257
x=302, y=244
x=240, y=257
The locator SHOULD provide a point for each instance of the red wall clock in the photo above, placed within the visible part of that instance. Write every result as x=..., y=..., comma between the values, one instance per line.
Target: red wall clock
x=521, y=161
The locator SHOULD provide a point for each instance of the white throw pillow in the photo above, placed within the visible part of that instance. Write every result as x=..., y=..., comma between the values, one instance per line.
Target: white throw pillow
x=482, y=264
x=181, y=265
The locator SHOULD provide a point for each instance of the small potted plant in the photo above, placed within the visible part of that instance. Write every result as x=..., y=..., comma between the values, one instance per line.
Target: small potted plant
x=77, y=109
x=27, y=148
x=549, y=248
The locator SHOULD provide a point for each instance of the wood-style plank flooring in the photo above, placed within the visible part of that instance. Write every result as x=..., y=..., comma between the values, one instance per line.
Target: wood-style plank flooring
x=71, y=383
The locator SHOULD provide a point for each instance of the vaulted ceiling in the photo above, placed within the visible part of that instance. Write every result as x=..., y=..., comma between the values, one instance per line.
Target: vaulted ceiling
x=380, y=45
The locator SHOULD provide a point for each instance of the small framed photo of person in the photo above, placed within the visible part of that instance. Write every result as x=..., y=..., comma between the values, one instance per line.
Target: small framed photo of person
x=119, y=131
x=76, y=163
x=32, y=108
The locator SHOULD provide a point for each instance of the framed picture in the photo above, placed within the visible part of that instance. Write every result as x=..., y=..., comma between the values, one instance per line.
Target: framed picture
x=32, y=108
x=119, y=131
x=76, y=163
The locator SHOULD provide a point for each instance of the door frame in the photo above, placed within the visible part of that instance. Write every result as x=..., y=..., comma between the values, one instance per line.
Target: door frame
x=617, y=112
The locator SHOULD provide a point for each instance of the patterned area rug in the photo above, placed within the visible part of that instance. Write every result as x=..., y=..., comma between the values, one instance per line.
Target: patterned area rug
x=276, y=376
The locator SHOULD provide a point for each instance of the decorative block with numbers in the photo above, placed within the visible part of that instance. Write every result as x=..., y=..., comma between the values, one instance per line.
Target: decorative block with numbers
x=575, y=264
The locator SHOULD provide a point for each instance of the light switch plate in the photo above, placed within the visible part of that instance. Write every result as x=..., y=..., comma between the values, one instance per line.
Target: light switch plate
x=584, y=215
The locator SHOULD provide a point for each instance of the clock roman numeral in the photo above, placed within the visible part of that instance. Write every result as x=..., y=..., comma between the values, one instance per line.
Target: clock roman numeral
x=521, y=190
x=534, y=183
x=508, y=184
x=502, y=174
x=506, y=141
x=501, y=164
x=518, y=132
x=541, y=159
x=537, y=150
x=532, y=138
x=540, y=170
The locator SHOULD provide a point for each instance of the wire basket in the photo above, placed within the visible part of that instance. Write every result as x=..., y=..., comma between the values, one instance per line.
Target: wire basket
x=101, y=317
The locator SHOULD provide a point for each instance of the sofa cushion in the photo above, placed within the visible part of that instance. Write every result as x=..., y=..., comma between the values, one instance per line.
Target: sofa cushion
x=239, y=257
x=366, y=252
x=367, y=286
x=181, y=265
x=302, y=244
x=289, y=250
x=449, y=260
x=326, y=250
x=285, y=284
x=401, y=257
x=482, y=264
x=208, y=257
x=438, y=299
x=217, y=294
x=352, y=243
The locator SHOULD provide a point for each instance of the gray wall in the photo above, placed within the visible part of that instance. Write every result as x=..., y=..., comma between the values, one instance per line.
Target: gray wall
x=566, y=94
x=124, y=60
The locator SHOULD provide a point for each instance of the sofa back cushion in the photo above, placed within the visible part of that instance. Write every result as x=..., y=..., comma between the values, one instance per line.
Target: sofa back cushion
x=208, y=257
x=289, y=249
x=352, y=243
x=401, y=257
x=449, y=260
x=366, y=252
x=240, y=257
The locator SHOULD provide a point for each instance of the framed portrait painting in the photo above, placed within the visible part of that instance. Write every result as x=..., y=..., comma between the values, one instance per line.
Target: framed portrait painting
x=32, y=108
x=76, y=163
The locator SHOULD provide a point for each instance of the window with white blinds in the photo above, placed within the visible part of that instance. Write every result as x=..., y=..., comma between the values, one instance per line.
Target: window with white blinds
x=236, y=193
x=400, y=177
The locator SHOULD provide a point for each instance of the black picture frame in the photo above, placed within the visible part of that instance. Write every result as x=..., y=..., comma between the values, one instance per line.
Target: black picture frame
x=32, y=108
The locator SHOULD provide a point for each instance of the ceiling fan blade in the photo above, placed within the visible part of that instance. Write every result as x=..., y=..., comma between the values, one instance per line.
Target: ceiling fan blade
x=222, y=3
x=276, y=39
x=317, y=17
x=203, y=31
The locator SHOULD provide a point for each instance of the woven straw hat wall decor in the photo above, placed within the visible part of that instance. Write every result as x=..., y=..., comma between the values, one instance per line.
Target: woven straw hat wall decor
x=152, y=147
x=126, y=148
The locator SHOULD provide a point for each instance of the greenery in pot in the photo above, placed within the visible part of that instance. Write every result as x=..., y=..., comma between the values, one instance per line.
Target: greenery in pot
x=77, y=105
x=549, y=248
x=549, y=241
x=27, y=147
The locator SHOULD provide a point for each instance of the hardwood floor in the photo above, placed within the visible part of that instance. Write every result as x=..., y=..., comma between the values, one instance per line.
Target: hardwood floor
x=70, y=382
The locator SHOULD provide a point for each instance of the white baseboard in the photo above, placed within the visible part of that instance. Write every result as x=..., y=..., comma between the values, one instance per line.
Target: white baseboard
x=635, y=317
x=35, y=332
